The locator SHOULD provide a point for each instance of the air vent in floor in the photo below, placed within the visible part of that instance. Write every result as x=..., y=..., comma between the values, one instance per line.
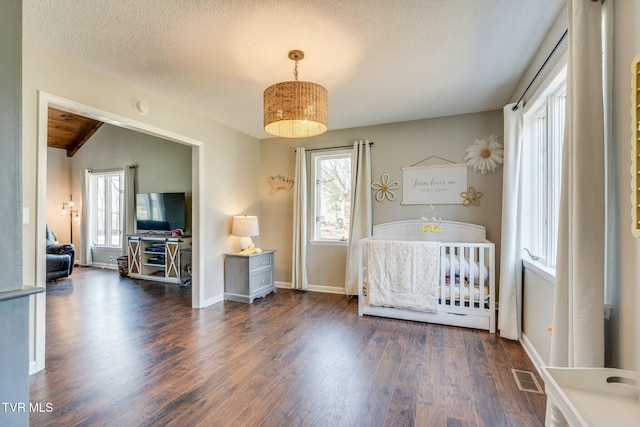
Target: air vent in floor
x=526, y=381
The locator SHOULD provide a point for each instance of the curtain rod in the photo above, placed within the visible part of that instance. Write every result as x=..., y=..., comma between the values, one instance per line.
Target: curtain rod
x=332, y=148
x=515, y=107
x=105, y=170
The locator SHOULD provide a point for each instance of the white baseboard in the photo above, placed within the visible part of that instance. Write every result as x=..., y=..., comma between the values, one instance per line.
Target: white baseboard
x=532, y=353
x=314, y=288
x=326, y=289
x=213, y=300
x=104, y=265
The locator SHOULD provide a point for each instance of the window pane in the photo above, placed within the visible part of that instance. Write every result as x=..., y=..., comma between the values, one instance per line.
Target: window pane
x=115, y=211
x=556, y=141
x=100, y=210
x=333, y=196
x=542, y=174
x=106, y=209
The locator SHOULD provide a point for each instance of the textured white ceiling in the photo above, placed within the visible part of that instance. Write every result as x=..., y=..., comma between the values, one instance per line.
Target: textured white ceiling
x=382, y=61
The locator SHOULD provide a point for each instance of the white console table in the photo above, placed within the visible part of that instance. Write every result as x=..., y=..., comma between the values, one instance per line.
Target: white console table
x=594, y=397
x=156, y=257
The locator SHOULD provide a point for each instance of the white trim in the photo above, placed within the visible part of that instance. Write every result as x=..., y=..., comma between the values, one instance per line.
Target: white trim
x=326, y=289
x=197, y=161
x=548, y=274
x=532, y=353
x=548, y=85
x=212, y=300
x=103, y=265
x=328, y=242
x=314, y=288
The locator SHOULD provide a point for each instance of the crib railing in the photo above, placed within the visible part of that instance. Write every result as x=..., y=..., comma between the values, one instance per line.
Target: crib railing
x=468, y=276
x=469, y=289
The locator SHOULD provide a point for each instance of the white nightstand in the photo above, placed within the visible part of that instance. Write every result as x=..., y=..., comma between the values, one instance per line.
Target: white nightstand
x=247, y=277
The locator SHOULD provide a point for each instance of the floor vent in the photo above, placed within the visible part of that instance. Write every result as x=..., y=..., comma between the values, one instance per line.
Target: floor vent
x=527, y=381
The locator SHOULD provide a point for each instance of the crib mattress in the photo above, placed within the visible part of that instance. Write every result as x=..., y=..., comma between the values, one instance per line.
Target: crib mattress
x=475, y=292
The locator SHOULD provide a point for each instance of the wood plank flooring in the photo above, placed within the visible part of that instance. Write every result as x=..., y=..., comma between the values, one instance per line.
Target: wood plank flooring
x=130, y=353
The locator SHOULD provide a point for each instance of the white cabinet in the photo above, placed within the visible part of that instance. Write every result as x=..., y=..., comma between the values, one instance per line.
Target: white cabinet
x=157, y=257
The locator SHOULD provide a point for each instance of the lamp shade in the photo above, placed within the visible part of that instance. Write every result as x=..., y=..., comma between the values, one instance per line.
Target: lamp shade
x=296, y=109
x=245, y=226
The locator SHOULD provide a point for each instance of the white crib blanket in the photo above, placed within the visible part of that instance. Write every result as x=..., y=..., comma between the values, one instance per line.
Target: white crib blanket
x=403, y=274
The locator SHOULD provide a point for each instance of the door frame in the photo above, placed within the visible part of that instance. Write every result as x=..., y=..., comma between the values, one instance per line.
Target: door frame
x=45, y=100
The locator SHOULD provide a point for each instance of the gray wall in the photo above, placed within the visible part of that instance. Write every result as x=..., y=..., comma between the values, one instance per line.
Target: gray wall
x=14, y=350
x=397, y=145
x=10, y=142
x=163, y=166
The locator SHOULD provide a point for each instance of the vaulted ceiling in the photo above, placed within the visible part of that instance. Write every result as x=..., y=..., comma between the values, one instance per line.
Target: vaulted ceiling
x=381, y=61
x=69, y=131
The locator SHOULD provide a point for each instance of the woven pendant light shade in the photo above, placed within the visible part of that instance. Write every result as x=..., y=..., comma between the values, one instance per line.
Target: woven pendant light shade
x=296, y=109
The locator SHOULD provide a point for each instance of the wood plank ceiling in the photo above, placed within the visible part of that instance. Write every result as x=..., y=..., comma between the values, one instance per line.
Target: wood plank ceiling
x=69, y=131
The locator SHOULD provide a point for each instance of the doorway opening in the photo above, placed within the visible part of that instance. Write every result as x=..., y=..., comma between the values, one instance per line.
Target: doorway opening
x=45, y=101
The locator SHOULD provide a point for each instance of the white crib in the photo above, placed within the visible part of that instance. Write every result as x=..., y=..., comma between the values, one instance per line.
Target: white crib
x=465, y=299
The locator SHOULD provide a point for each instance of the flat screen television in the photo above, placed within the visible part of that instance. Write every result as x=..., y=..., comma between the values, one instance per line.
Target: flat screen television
x=160, y=212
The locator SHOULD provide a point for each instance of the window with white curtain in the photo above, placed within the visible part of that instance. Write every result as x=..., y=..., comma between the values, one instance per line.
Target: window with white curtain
x=330, y=195
x=542, y=172
x=106, y=208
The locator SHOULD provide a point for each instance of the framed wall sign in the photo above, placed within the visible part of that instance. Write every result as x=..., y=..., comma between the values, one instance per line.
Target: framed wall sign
x=438, y=184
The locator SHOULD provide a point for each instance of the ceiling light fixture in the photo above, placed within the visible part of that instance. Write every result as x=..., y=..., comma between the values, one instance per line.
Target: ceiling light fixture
x=295, y=109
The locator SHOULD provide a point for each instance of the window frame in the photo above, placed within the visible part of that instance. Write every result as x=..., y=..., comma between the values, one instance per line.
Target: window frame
x=314, y=215
x=541, y=107
x=92, y=212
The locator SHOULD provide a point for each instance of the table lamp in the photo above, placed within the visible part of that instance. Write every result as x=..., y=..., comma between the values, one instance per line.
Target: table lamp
x=245, y=226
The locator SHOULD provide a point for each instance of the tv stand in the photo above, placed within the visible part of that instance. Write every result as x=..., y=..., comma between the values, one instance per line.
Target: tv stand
x=156, y=257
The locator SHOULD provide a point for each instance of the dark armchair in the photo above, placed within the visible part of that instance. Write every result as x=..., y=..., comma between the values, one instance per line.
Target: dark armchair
x=60, y=257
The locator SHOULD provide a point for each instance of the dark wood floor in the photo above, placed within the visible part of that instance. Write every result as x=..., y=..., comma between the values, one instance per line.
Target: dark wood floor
x=128, y=353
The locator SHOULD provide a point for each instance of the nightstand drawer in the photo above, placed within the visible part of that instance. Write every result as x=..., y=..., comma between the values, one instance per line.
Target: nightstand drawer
x=261, y=280
x=260, y=262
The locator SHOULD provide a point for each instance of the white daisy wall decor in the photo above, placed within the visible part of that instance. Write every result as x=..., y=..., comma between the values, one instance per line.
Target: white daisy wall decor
x=485, y=155
x=384, y=188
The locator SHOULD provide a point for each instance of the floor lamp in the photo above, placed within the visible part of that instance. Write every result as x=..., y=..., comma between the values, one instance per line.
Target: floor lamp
x=73, y=214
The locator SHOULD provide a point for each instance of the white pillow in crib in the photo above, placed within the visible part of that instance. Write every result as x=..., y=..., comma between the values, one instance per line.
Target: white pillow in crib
x=462, y=264
x=445, y=263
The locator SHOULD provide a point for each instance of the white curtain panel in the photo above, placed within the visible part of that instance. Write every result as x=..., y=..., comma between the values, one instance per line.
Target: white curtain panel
x=129, y=204
x=85, y=227
x=578, y=315
x=299, y=250
x=360, y=223
x=511, y=247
